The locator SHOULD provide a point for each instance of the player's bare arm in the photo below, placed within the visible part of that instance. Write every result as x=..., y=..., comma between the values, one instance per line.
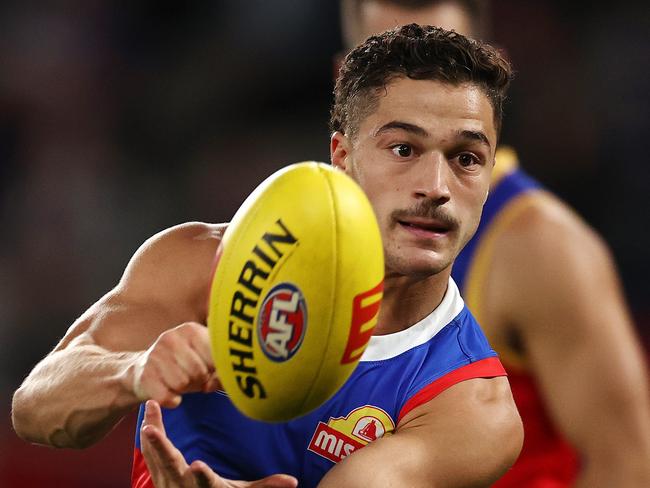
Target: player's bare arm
x=110, y=358
x=469, y=435
x=569, y=310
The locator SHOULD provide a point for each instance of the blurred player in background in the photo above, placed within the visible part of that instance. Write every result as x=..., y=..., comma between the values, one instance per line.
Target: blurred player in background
x=543, y=286
x=415, y=122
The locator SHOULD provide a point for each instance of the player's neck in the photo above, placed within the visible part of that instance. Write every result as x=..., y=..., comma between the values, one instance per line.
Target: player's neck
x=407, y=300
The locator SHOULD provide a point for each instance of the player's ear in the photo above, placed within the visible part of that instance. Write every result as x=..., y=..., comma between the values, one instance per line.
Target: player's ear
x=340, y=150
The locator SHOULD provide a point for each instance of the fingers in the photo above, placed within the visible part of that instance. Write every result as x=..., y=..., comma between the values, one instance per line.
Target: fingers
x=213, y=384
x=204, y=477
x=188, y=350
x=164, y=461
x=153, y=416
x=179, y=361
x=193, y=365
x=149, y=384
x=201, y=344
x=276, y=481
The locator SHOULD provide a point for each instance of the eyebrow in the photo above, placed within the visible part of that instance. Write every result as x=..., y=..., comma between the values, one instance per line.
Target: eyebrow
x=405, y=126
x=475, y=135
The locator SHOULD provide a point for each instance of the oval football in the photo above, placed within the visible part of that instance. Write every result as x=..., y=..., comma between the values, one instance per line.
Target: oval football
x=296, y=291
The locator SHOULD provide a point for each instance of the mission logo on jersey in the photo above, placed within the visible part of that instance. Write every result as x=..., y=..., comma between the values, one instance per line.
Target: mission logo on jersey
x=282, y=322
x=339, y=437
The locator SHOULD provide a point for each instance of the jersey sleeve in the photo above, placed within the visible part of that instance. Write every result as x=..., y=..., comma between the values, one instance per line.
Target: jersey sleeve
x=485, y=368
x=459, y=352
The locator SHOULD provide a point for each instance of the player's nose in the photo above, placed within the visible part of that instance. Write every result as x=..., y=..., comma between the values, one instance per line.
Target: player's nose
x=432, y=179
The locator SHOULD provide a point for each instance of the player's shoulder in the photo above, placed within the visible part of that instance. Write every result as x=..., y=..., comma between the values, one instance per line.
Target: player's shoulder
x=174, y=242
x=175, y=258
x=185, y=234
x=548, y=224
x=531, y=216
x=545, y=254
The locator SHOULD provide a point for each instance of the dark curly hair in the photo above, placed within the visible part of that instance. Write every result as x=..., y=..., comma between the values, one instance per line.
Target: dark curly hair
x=420, y=53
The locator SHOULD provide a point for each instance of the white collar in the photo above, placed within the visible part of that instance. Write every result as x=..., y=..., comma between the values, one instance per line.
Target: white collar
x=390, y=345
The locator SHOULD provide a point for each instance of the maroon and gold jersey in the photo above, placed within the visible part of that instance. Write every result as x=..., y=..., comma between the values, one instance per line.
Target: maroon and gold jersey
x=546, y=460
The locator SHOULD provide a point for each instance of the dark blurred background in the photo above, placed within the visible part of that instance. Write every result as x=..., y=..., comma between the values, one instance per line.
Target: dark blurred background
x=119, y=119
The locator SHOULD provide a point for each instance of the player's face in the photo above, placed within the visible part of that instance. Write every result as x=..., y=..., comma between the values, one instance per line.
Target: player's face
x=424, y=158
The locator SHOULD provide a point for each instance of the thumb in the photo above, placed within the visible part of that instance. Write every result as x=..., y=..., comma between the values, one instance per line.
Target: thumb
x=205, y=477
x=276, y=481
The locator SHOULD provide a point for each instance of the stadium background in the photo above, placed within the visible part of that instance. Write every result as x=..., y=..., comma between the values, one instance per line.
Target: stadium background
x=118, y=119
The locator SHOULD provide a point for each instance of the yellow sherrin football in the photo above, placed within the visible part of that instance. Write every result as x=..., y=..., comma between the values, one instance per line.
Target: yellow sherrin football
x=296, y=291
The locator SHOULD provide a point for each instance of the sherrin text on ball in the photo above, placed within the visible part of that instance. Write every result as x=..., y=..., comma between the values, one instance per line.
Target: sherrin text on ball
x=296, y=291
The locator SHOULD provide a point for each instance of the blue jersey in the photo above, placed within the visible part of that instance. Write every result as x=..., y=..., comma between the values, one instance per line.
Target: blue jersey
x=396, y=373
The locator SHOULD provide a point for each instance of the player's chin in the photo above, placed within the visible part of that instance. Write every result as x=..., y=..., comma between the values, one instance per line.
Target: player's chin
x=418, y=262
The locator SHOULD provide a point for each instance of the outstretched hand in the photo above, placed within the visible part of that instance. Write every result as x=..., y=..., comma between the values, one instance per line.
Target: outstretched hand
x=169, y=469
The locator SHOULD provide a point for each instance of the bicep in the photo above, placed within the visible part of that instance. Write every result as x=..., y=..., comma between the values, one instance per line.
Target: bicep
x=117, y=323
x=466, y=436
x=570, y=311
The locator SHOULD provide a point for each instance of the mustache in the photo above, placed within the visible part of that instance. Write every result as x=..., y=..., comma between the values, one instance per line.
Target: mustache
x=427, y=209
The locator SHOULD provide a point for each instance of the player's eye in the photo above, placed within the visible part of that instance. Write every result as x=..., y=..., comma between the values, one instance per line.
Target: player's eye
x=467, y=160
x=402, y=150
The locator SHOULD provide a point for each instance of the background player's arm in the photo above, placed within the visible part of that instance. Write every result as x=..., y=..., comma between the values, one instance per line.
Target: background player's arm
x=469, y=435
x=568, y=308
x=110, y=359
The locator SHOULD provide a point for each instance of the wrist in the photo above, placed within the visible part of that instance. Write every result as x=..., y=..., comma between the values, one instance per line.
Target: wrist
x=127, y=379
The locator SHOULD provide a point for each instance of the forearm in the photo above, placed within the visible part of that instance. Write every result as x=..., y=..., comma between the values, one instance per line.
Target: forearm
x=620, y=454
x=630, y=473
x=74, y=396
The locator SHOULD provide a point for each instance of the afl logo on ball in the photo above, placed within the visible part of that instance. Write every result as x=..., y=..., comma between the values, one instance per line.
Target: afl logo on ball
x=282, y=322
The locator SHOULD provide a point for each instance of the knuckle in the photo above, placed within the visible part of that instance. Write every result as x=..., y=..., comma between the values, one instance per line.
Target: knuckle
x=203, y=371
x=166, y=338
x=155, y=357
x=152, y=385
x=186, y=327
x=194, y=329
x=197, y=366
x=177, y=384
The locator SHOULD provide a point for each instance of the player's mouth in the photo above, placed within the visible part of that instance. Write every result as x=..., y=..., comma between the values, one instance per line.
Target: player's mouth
x=425, y=228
